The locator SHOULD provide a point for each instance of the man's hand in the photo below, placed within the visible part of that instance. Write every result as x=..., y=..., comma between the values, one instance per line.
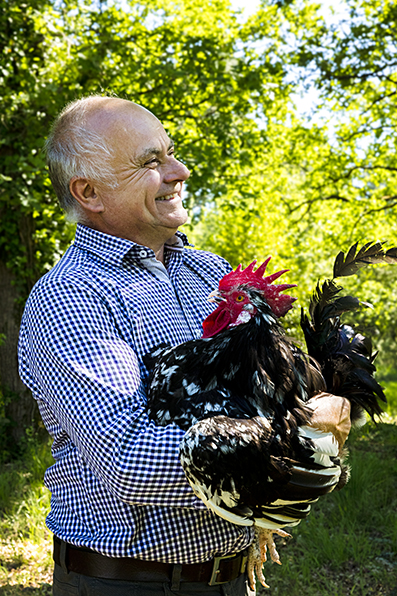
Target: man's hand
x=331, y=413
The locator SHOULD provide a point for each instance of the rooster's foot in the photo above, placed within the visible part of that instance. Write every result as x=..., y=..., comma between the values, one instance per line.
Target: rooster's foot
x=257, y=554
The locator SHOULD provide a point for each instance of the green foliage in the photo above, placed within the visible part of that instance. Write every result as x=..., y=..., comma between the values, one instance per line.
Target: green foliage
x=390, y=388
x=265, y=180
x=329, y=181
x=22, y=495
x=192, y=63
x=352, y=63
x=262, y=179
x=29, y=217
x=25, y=544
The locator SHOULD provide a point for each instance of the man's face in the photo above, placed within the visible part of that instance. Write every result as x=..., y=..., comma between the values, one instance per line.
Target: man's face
x=146, y=207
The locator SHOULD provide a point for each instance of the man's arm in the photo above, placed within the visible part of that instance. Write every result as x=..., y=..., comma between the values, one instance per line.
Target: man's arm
x=73, y=357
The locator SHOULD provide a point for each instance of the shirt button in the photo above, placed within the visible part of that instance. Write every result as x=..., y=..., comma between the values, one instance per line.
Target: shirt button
x=142, y=253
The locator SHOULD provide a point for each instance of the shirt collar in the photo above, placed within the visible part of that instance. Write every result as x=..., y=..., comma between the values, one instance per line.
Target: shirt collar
x=114, y=249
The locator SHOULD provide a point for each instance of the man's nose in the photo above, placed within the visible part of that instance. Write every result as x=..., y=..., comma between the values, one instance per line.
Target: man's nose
x=176, y=171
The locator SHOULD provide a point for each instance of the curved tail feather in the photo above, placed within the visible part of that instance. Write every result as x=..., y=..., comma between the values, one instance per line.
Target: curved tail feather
x=344, y=356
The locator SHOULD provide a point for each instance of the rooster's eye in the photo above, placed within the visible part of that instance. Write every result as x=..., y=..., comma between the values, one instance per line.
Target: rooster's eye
x=240, y=298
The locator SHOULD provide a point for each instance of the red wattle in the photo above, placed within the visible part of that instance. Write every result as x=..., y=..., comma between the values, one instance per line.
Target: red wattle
x=217, y=321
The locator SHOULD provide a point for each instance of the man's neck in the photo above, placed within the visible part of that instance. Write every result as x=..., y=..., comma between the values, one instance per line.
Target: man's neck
x=160, y=254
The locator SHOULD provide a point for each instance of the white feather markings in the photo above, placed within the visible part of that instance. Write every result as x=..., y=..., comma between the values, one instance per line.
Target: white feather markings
x=325, y=445
x=233, y=370
x=281, y=519
x=323, y=442
x=163, y=417
x=283, y=502
x=209, y=407
x=332, y=472
x=243, y=317
x=167, y=371
x=213, y=357
x=269, y=525
x=192, y=388
x=223, y=513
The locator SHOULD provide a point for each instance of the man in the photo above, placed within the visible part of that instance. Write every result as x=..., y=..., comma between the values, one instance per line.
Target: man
x=125, y=521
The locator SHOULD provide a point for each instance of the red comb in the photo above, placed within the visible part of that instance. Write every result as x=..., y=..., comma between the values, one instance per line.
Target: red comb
x=279, y=303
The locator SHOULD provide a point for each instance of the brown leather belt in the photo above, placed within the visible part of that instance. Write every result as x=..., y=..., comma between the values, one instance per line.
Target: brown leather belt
x=88, y=562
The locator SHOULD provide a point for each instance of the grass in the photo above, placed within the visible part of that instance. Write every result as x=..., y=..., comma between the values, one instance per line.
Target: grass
x=25, y=542
x=347, y=546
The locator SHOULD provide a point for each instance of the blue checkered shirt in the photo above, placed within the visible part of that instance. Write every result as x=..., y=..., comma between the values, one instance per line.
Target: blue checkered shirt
x=117, y=484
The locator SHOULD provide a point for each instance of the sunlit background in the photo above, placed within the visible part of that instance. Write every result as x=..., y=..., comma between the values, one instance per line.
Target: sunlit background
x=287, y=121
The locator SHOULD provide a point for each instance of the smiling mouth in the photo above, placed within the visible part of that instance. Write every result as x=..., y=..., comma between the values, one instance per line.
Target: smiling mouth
x=168, y=197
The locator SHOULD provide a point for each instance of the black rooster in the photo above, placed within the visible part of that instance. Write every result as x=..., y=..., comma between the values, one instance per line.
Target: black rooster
x=264, y=435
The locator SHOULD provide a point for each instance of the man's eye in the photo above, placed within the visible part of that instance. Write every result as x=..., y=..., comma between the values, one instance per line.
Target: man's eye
x=151, y=162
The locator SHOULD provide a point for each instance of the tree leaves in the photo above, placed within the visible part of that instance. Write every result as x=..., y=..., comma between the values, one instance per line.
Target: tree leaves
x=263, y=181
x=190, y=62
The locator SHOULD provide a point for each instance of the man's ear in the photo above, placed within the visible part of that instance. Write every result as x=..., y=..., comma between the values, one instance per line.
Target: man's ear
x=86, y=194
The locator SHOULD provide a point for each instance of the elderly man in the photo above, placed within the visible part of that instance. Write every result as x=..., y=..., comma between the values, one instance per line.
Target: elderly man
x=124, y=519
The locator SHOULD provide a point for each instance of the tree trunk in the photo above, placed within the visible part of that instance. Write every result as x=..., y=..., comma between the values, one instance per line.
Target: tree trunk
x=21, y=408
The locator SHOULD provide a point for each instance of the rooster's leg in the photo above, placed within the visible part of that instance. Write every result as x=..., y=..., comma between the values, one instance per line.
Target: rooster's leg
x=257, y=554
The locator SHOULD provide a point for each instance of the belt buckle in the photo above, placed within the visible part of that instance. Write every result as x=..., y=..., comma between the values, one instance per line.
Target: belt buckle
x=216, y=570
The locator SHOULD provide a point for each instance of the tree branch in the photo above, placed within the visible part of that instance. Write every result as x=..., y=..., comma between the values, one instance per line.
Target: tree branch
x=377, y=210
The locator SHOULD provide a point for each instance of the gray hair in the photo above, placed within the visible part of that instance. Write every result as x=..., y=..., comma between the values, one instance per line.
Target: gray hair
x=73, y=149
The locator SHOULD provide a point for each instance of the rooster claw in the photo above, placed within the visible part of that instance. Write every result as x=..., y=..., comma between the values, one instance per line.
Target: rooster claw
x=256, y=569
x=262, y=543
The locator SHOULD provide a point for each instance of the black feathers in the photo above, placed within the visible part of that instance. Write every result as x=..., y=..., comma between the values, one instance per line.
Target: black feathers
x=345, y=357
x=372, y=253
x=249, y=451
x=240, y=395
x=248, y=370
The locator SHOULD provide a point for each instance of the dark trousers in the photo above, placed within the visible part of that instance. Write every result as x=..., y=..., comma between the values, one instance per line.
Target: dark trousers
x=75, y=584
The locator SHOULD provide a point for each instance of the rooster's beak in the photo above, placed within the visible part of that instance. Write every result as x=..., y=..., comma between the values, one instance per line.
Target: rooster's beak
x=216, y=297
